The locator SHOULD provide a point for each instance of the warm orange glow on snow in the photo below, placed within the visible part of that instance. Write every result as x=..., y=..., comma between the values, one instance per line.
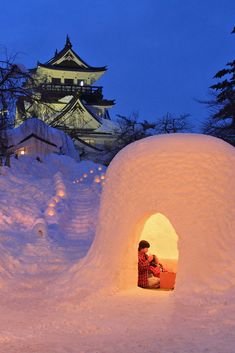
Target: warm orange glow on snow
x=97, y=179
x=61, y=193
x=56, y=199
x=52, y=203
x=51, y=212
x=161, y=235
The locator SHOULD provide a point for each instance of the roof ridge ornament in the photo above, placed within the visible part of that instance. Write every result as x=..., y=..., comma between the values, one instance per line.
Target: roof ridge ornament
x=68, y=42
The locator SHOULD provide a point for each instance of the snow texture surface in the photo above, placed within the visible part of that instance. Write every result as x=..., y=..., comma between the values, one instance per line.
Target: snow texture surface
x=56, y=298
x=63, y=142
x=190, y=180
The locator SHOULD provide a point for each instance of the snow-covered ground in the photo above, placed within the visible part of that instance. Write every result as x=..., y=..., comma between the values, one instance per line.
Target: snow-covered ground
x=48, y=215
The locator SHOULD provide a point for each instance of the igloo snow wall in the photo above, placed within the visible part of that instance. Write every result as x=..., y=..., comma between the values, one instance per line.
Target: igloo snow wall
x=188, y=178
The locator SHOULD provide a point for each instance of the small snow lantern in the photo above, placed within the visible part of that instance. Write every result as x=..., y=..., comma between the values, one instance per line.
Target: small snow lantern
x=97, y=179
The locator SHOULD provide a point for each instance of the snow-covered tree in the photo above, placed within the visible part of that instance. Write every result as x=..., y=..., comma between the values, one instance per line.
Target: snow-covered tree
x=12, y=78
x=16, y=82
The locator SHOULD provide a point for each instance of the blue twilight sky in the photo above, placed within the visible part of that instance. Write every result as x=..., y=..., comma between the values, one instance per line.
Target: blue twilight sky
x=161, y=54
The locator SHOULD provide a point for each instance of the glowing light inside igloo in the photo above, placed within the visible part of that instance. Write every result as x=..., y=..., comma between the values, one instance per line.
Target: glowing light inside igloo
x=161, y=235
x=163, y=239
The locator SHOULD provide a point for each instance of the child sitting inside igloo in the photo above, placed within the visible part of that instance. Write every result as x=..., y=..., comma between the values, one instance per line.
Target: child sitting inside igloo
x=156, y=267
x=149, y=267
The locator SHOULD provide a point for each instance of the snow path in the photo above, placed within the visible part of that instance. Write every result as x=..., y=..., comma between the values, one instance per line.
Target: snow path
x=29, y=260
x=82, y=216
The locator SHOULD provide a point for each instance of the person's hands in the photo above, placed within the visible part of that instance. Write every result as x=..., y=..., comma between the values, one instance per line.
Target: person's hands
x=150, y=257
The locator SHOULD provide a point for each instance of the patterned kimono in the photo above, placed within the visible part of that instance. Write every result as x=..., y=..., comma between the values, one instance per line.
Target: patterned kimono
x=143, y=268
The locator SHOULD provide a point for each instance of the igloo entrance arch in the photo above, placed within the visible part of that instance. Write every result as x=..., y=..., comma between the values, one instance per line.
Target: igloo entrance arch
x=190, y=179
x=163, y=239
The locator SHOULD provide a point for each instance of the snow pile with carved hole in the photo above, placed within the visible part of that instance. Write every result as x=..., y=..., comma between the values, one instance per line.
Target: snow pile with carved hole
x=55, y=299
x=190, y=180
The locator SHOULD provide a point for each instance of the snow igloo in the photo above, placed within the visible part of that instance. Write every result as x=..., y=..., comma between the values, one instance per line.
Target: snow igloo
x=187, y=182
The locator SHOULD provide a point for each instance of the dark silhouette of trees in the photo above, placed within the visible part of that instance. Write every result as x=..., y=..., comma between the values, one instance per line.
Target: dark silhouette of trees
x=221, y=122
x=130, y=129
x=171, y=124
x=12, y=79
x=15, y=83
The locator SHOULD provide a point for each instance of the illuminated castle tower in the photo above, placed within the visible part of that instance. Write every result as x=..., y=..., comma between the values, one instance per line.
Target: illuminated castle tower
x=70, y=100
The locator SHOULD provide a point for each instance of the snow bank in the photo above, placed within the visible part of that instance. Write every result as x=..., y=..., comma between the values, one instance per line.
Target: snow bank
x=33, y=126
x=27, y=190
x=189, y=179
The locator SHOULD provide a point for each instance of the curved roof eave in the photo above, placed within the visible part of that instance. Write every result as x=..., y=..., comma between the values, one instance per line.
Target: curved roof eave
x=64, y=51
x=78, y=69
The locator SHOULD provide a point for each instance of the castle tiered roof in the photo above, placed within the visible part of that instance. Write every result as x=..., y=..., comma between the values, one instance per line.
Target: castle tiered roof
x=67, y=59
x=70, y=100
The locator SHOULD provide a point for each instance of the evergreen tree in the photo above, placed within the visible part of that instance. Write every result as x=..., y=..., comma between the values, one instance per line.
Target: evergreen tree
x=222, y=121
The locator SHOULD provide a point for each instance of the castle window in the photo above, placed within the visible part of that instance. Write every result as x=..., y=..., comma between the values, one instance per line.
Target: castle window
x=21, y=151
x=56, y=81
x=81, y=82
x=68, y=81
x=90, y=141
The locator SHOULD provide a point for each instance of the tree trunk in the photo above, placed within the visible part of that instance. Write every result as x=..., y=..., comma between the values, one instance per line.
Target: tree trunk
x=8, y=161
x=233, y=122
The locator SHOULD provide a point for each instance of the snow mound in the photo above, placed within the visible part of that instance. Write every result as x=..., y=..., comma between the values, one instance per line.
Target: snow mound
x=34, y=126
x=188, y=178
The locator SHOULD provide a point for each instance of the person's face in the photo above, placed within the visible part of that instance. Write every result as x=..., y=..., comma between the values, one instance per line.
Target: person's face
x=145, y=250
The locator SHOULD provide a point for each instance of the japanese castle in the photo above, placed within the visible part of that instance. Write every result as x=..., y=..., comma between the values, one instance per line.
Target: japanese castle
x=71, y=101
